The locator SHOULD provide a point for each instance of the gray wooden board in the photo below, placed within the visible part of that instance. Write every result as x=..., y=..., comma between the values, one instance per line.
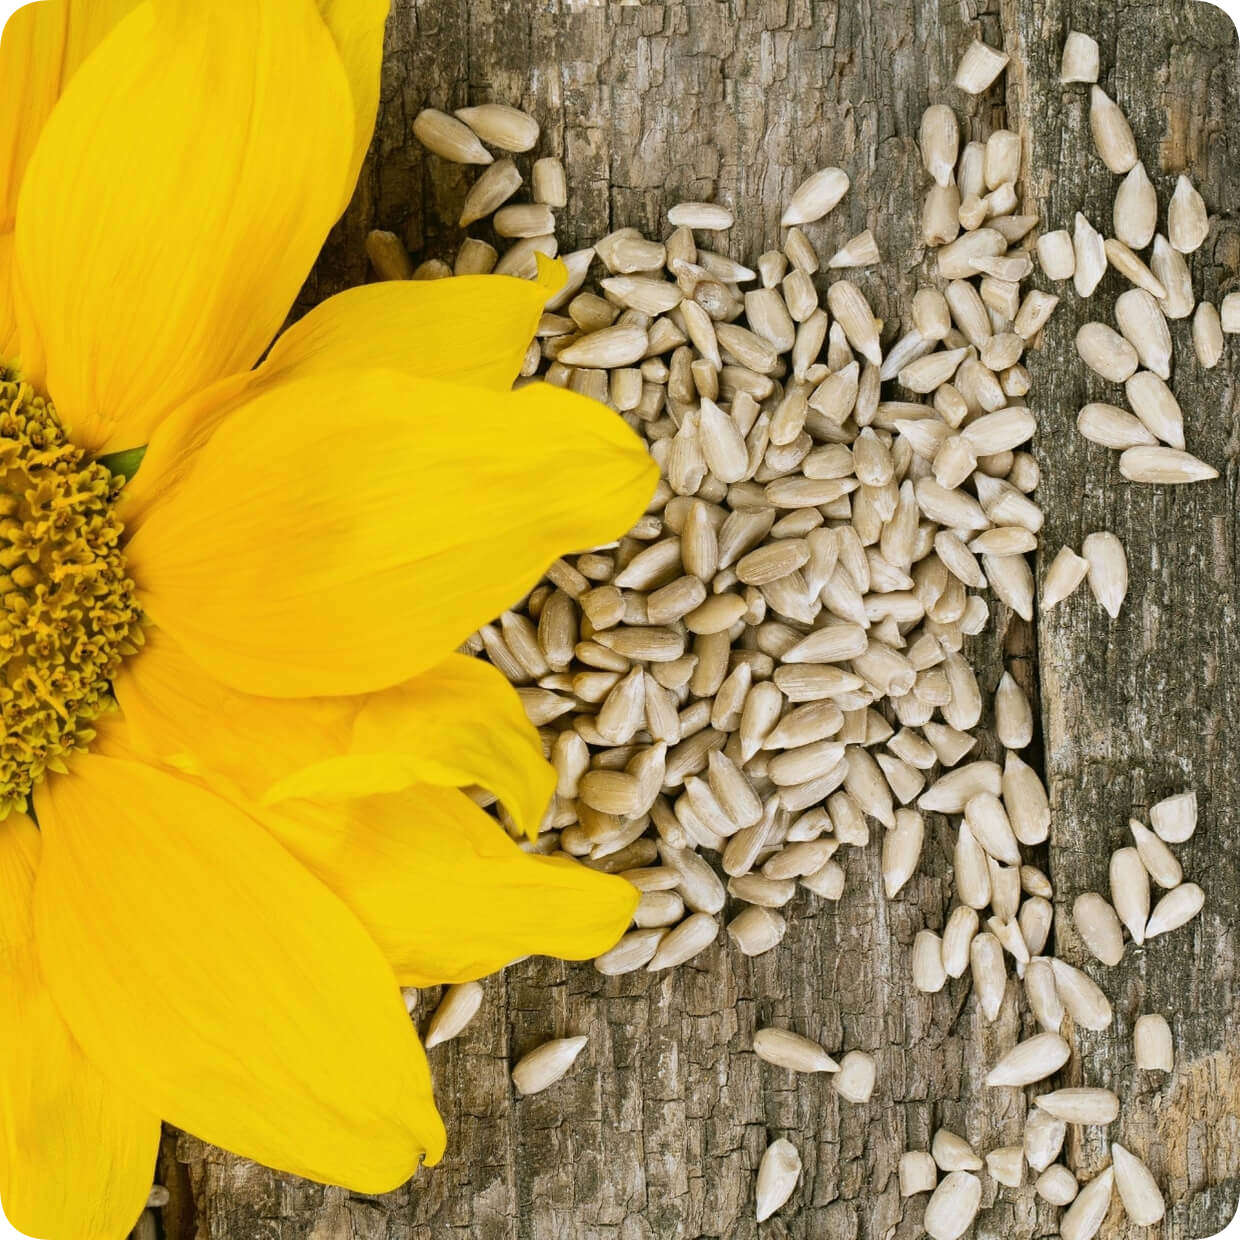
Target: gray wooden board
x=658, y=1131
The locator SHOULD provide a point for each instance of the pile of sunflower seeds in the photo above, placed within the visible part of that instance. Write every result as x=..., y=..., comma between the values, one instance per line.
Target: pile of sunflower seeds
x=770, y=660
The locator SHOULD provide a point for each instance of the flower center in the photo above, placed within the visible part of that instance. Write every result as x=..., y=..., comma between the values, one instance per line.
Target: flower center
x=67, y=608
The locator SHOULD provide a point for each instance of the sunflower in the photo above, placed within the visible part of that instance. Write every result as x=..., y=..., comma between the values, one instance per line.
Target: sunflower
x=236, y=732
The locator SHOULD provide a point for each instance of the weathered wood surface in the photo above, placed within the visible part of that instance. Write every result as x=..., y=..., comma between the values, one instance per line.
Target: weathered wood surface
x=659, y=1131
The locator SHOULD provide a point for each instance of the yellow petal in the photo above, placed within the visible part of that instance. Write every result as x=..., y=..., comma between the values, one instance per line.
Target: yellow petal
x=179, y=714
x=343, y=533
x=445, y=892
x=459, y=723
x=40, y=50
x=356, y=26
x=467, y=329
x=202, y=966
x=77, y=1156
x=175, y=202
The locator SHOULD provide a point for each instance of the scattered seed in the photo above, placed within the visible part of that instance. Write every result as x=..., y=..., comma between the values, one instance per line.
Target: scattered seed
x=547, y=1063
x=778, y=1173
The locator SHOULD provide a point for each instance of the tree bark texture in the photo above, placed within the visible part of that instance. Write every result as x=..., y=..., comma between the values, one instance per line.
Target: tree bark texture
x=658, y=1131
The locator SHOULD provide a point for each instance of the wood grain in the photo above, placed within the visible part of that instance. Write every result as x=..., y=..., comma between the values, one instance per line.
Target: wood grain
x=659, y=1130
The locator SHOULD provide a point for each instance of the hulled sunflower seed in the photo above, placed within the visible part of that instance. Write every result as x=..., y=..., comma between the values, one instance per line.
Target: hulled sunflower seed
x=1112, y=427
x=1174, y=818
x=490, y=191
x=459, y=1005
x=632, y=952
x=1112, y=134
x=547, y=1063
x=859, y=251
x=449, y=138
x=989, y=973
x=856, y=1077
x=1066, y=572
x=1106, y=352
x=1043, y=1138
x=1151, y=1040
x=1057, y=1185
x=1138, y=1189
x=696, y=933
x=953, y=1205
x=1080, y=1105
x=1172, y=272
x=816, y=197
x=1188, y=223
x=1229, y=314
x=1130, y=891
x=1135, y=213
x=1099, y=927
x=786, y=1049
x=1006, y=1165
x=917, y=1173
x=1081, y=995
x=978, y=68
x=1056, y=254
x=778, y=1173
x=1043, y=998
x=1207, y=335
x=940, y=138
x=929, y=975
x=1090, y=256
x=1157, y=858
x=1080, y=58
x=1084, y=1216
x=1178, y=907
x=1164, y=465
x=388, y=255
x=1108, y=570
x=1152, y=401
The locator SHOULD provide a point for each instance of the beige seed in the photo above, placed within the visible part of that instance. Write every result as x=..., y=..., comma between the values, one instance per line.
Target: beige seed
x=1043, y=1138
x=1066, y=572
x=758, y=889
x=1135, y=213
x=954, y=1203
x=928, y=974
x=786, y=1049
x=1174, y=818
x=1132, y=268
x=859, y=251
x=989, y=973
x=1084, y=1216
x=449, y=138
x=1043, y=998
x=709, y=216
x=1080, y=58
x=816, y=197
x=1157, y=858
x=1152, y=1047
x=1099, y=927
x=1056, y=254
x=851, y=310
x=827, y=882
x=459, y=1005
x=1081, y=995
x=778, y=1173
x=978, y=68
x=940, y=215
x=1143, y=324
x=1090, y=256
x=856, y=1077
x=643, y=293
x=508, y=128
x=1112, y=134
x=1108, y=570
x=699, y=885
x=1229, y=314
x=1006, y=1165
x=475, y=258
x=1080, y=1105
x=547, y=1063
x=940, y=138
x=1172, y=272
x=1164, y=465
x=696, y=933
x=1000, y=431
x=525, y=219
x=1013, y=714
x=491, y=190
x=521, y=260
x=1130, y=891
x=1034, y=313
x=1057, y=1185
x=954, y=789
x=955, y=260
x=757, y=930
x=621, y=345
x=1207, y=335
x=388, y=255
x=1178, y=907
x=658, y=908
x=1138, y=1189
x=958, y=934
x=1106, y=352
x=917, y=1173
x=1112, y=427
x=549, y=182
x=951, y=1152
x=1188, y=222
x=926, y=373
x=1153, y=402
x=633, y=951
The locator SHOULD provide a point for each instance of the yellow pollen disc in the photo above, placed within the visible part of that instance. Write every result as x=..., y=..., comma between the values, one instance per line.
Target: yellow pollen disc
x=67, y=609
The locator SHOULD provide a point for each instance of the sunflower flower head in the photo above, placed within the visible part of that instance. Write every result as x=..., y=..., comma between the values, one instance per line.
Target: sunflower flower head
x=68, y=613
